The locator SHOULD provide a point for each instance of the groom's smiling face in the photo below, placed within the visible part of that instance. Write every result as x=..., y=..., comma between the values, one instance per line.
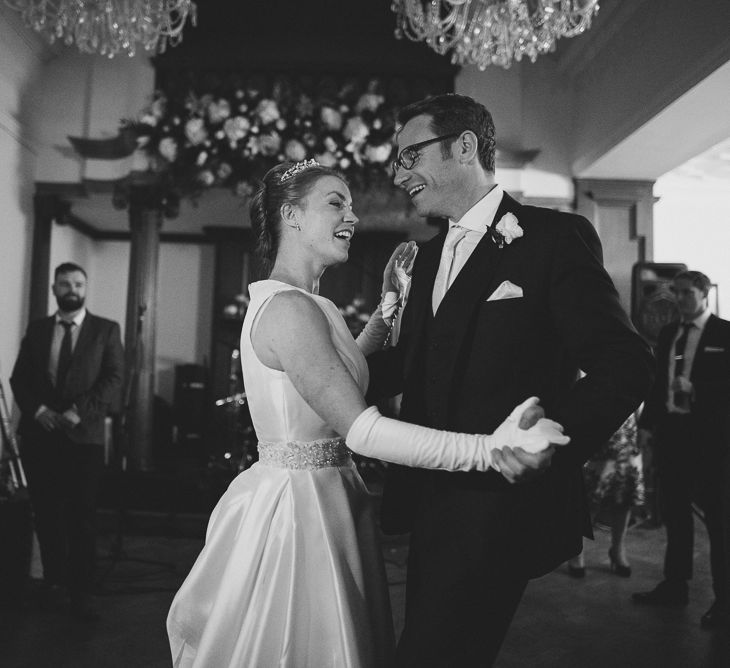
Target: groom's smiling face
x=432, y=182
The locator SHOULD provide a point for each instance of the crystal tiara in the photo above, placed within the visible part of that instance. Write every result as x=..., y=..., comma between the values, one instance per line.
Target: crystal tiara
x=298, y=167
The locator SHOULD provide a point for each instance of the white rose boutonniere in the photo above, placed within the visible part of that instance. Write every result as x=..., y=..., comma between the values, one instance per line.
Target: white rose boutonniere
x=506, y=230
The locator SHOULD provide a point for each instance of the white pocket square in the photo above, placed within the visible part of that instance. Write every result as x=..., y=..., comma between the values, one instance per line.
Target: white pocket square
x=714, y=349
x=506, y=290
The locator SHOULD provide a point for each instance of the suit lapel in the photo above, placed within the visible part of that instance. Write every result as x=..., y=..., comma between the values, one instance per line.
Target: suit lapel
x=463, y=296
x=707, y=336
x=664, y=352
x=708, y=332
x=46, y=342
x=481, y=266
x=419, y=300
x=82, y=342
x=468, y=289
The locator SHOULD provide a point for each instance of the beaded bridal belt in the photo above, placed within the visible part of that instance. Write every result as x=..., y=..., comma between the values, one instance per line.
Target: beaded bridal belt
x=310, y=455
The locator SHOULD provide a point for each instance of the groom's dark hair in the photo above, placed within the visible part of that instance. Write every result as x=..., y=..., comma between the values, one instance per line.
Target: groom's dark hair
x=452, y=113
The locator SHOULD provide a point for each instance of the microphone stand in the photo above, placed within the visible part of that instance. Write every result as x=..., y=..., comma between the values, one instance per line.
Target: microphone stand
x=117, y=553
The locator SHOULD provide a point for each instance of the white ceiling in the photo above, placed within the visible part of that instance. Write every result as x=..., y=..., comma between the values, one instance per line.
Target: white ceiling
x=689, y=127
x=712, y=165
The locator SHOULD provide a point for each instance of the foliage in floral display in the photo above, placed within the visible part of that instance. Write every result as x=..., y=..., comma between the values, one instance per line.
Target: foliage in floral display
x=231, y=137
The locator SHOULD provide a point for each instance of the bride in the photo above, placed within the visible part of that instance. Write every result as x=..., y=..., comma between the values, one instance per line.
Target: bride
x=291, y=573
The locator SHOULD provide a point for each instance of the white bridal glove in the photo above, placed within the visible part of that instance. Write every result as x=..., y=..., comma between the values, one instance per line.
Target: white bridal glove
x=373, y=435
x=379, y=328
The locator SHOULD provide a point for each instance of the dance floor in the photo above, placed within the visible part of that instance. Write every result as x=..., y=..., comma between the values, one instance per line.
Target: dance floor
x=562, y=622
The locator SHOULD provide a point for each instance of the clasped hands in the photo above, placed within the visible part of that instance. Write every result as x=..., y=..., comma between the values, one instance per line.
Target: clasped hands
x=51, y=420
x=535, y=438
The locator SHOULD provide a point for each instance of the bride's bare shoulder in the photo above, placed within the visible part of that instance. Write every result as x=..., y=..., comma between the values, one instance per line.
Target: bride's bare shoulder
x=291, y=313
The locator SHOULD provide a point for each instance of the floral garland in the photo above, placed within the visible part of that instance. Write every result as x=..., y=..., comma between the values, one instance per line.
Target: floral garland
x=230, y=138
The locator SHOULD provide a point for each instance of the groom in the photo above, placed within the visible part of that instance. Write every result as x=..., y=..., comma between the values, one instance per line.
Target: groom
x=511, y=301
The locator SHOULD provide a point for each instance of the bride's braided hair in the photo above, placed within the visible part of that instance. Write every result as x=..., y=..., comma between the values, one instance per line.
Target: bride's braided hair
x=272, y=194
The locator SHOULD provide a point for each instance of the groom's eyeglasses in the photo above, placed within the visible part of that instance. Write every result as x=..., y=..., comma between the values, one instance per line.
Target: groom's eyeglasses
x=409, y=156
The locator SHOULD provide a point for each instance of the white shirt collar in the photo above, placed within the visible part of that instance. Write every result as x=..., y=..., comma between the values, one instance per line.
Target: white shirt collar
x=482, y=213
x=701, y=320
x=77, y=320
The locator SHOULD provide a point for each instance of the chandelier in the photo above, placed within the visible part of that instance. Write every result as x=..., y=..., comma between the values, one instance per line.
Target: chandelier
x=492, y=32
x=109, y=27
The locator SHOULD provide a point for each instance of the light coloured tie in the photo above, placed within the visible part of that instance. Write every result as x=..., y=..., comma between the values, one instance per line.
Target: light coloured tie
x=443, y=275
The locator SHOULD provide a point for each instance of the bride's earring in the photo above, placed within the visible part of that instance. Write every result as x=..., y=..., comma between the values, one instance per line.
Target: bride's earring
x=289, y=217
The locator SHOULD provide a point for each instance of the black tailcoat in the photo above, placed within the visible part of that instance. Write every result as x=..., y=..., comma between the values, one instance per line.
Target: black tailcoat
x=467, y=367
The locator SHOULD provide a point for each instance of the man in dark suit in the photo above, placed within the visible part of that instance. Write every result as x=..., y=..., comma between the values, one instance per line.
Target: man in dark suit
x=688, y=413
x=68, y=372
x=510, y=301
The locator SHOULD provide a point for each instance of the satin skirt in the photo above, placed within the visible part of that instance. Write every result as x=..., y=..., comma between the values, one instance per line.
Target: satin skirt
x=291, y=575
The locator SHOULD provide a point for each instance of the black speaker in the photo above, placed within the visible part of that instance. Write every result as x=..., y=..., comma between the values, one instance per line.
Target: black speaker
x=191, y=411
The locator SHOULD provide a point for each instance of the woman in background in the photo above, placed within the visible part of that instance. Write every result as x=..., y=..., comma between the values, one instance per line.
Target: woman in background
x=615, y=481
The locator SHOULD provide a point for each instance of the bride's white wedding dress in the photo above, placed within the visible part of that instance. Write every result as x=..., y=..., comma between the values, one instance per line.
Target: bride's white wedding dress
x=291, y=574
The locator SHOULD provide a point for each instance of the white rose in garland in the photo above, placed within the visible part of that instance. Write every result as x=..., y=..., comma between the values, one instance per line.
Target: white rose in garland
x=378, y=154
x=331, y=118
x=195, y=131
x=356, y=130
x=219, y=111
x=326, y=159
x=270, y=143
x=268, y=112
x=295, y=151
x=224, y=171
x=168, y=149
x=149, y=119
x=369, y=102
x=206, y=178
x=158, y=107
x=236, y=128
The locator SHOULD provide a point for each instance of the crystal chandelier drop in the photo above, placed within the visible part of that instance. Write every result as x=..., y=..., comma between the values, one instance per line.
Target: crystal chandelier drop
x=492, y=32
x=109, y=27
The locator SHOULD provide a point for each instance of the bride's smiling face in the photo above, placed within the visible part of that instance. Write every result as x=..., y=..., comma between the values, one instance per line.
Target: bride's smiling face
x=327, y=221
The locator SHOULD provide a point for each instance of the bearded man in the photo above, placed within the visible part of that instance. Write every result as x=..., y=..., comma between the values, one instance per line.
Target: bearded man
x=68, y=372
